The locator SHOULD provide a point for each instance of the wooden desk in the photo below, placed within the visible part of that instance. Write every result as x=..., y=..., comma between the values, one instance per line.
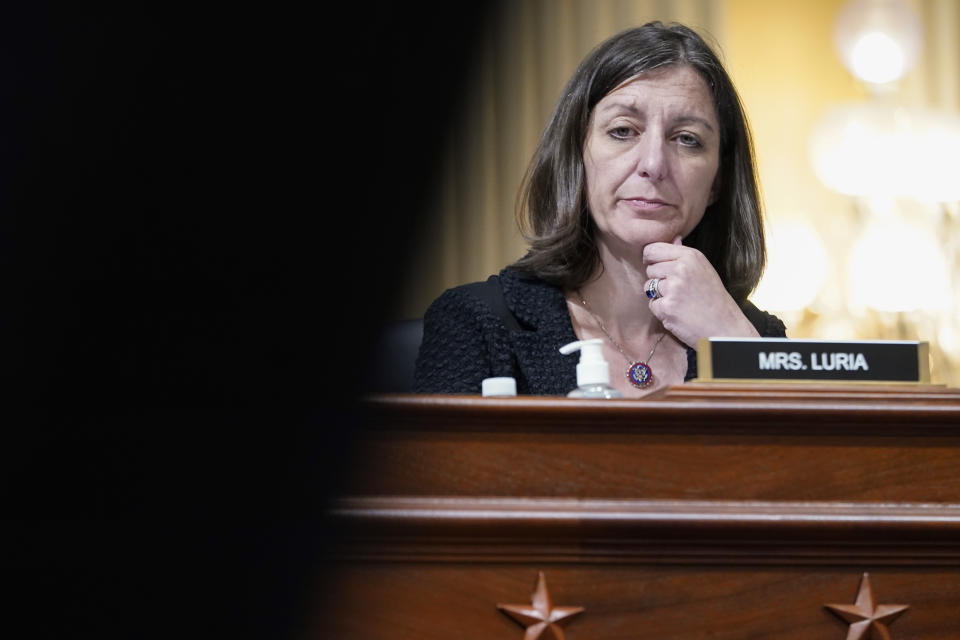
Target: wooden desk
x=706, y=511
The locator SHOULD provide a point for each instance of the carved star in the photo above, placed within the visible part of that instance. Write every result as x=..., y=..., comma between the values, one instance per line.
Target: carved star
x=867, y=620
x=540, y=618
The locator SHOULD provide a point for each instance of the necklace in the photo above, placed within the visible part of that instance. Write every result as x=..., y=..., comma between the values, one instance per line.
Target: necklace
x=639, y=373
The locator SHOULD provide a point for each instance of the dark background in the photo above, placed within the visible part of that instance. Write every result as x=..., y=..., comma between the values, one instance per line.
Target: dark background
x=196, y=205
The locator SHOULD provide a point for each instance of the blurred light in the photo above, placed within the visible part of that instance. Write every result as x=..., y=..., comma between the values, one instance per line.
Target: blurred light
x=898, y=267
x=947, y=338
x=877, y=58
x=936, y=172
x=874, y=149
x=878, y=40
x=796, y=268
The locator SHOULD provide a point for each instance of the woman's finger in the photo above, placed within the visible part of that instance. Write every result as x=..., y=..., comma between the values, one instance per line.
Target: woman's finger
x=660, y=251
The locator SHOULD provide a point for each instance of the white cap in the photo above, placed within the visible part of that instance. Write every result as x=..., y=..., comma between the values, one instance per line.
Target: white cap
x=499, y=387
x=592, y=369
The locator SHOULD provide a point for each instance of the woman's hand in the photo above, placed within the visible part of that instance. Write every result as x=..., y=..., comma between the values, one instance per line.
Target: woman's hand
x=694, y=304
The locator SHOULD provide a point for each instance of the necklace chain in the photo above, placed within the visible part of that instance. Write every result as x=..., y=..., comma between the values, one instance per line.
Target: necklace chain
x=607, y=333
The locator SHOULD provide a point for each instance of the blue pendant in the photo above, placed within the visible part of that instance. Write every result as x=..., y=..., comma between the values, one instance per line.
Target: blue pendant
x=640, y=375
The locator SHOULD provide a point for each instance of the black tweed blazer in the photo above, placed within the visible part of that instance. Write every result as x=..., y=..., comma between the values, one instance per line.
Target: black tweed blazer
x=466, y=338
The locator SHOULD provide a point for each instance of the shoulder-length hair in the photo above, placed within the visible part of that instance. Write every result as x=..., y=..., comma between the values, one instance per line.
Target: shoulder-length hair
x=553, y=210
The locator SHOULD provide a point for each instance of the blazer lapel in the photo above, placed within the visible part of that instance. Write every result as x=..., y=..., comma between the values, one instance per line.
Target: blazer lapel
x=542, y=313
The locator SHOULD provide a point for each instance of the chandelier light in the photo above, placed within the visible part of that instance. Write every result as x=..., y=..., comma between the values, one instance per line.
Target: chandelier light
x=784, y=286
x=878, y=148
x=878, y=279
x=873, y=149
x=878, y=40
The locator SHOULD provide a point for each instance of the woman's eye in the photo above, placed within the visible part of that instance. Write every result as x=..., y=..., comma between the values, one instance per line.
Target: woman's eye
x=688, y=140
x=621, y=133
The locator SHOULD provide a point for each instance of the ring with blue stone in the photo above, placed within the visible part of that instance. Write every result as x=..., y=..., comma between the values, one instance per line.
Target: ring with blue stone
x=653, y=289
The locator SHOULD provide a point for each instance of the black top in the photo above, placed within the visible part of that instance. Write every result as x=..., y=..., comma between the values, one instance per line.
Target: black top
x=471, y=332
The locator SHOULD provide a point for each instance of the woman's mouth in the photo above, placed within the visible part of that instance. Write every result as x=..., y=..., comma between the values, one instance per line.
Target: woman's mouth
x=646, y=204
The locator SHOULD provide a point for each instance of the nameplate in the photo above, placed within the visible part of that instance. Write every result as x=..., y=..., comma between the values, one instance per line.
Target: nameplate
x=815, y=360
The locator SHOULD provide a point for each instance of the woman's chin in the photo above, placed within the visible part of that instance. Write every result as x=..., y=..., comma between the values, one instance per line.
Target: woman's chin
x=637, y=239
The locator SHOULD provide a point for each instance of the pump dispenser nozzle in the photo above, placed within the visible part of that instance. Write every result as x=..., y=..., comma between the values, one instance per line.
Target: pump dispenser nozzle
x=592, y=369
x=593, y=372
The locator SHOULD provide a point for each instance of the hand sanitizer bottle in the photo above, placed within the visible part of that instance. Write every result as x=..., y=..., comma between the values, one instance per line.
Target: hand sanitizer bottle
x=593, y=372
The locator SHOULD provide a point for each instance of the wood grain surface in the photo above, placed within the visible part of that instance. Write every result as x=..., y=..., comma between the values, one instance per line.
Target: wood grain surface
x=785, y=442
x=715, y=511
x=444, y=601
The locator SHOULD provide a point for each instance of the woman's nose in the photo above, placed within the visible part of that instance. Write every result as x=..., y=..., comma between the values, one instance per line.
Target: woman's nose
x=652, y=158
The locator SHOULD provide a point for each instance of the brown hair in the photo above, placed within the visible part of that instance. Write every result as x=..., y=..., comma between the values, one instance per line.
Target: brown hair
x=553, y=209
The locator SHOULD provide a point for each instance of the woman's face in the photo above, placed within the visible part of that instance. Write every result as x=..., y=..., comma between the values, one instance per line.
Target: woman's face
x=651, y=158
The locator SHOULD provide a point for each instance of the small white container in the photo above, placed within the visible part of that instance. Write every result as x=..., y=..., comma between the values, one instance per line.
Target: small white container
x=498, y=387
x=593, y=372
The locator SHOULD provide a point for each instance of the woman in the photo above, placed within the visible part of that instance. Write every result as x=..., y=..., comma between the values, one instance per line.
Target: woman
x=643, y=218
